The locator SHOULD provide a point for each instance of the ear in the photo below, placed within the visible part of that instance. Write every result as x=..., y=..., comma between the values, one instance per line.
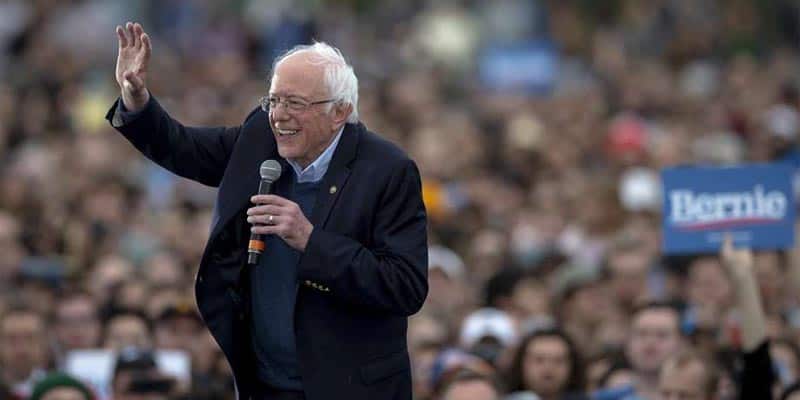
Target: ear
x=341, y=111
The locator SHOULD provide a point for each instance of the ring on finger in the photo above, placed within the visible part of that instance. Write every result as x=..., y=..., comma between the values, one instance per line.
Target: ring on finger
x=271, y=219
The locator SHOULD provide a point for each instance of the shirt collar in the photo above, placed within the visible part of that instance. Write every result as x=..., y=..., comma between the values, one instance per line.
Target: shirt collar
x=316, y=170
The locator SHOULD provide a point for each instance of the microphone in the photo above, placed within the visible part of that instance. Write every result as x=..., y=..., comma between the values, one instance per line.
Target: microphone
x=270, y=172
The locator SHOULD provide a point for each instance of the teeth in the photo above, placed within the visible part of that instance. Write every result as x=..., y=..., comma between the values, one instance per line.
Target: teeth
x=287, y=132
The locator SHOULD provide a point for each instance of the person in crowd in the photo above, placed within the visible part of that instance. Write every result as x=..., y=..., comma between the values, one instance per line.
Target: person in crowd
x=60, y=386
x=465, y=384
x=77, y=322
x=687, y=376
x=128, y=328
x=24, y=355
x=548, y=364
x=655, y=334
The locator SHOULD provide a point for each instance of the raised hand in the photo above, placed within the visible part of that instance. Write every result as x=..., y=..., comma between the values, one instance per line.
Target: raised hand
x=132, y=59
x=737, y=262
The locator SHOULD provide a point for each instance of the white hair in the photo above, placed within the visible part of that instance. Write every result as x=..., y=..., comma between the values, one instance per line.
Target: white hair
x=338, y=75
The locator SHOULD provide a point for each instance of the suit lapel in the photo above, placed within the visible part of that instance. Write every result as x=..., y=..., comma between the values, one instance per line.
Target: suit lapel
x=337, y=174
x=242, y=178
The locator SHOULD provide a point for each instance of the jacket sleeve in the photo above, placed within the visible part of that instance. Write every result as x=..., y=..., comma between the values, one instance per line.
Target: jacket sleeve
x=392, y=275
x=757, y=375
x=199, y=154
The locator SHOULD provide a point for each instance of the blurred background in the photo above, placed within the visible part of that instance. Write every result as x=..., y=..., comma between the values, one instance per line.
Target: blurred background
x=539, y=126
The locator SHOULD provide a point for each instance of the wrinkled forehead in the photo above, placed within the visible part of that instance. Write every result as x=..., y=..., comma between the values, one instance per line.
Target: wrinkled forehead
x=297, y=74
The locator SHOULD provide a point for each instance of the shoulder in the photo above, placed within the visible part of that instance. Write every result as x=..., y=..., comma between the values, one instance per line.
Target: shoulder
x=256, y=116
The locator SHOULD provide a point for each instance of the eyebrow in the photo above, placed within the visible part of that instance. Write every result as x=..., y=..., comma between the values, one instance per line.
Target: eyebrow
x=289, y=96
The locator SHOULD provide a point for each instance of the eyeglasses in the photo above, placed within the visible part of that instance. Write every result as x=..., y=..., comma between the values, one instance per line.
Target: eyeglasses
x=291, y=104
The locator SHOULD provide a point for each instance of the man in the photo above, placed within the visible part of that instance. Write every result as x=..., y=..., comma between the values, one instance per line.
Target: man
x=655, y=335
x=23, y=350
x=128, y=328
x=686, y=376
x=77, y=323
x=464, y=384
x=324, y=313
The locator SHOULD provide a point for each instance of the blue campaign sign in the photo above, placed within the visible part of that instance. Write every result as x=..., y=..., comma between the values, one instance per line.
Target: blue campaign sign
x=526, y=68
x=754, y=203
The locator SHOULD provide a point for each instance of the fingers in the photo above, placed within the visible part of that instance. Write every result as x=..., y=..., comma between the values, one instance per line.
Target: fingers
x=147, y=47
x=138, y=31
x=265, y=219
x=267, y=230
x=727, y=244
x=123, y=41
x=130, y=34
x=266, y=199
x=270, y=209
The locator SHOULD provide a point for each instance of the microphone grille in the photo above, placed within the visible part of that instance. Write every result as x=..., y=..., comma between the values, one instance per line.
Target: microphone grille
x=270, y=170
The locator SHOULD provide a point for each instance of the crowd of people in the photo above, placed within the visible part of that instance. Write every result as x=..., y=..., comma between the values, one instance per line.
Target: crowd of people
x=545, y=271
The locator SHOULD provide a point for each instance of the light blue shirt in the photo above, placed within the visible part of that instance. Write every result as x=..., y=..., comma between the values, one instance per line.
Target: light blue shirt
x=316, y=170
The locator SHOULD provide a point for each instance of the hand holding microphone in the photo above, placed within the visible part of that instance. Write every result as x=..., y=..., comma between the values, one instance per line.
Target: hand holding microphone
x=275, y=215
x=270, y=171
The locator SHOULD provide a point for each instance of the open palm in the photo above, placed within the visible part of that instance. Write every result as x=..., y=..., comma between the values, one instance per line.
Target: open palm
x=132, y=60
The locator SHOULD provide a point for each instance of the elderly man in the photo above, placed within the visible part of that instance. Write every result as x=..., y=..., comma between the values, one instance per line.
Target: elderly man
x=323, y=314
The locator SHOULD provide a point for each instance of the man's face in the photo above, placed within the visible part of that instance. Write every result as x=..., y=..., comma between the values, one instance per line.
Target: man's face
x=546, y=365
x=302, y=135
x=77, y=325
x=707, y=284
x=470, y=390
x=684, y=383
x=654, y=336
x=629, y=275
x=23, y=345
x=126, y=330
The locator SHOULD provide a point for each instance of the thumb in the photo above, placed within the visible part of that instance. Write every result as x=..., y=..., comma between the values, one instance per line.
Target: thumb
x=132, y=82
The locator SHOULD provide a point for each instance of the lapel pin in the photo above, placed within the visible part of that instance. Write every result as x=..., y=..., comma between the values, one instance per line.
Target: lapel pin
x=332, y=189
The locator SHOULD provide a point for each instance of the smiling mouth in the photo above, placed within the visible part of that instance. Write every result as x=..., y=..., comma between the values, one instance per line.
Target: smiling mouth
x=286, y=132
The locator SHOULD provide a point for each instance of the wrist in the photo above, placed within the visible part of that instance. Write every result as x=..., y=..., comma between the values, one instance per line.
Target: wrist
x=135, y=103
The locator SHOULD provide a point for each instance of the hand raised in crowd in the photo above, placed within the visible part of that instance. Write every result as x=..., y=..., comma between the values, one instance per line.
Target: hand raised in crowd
x=738, y=263
x=132, y=59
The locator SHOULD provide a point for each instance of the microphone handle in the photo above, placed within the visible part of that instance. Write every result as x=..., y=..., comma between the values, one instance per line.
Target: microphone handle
x=256, y=244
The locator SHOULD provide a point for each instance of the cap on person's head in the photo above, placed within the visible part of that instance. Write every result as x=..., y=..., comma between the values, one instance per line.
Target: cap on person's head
x=640, y=190
x=445, y=260
x=488, y=323
x=59, y=380
x=134, y=359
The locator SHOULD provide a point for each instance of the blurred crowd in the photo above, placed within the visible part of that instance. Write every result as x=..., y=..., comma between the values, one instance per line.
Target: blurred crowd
x=546, y=277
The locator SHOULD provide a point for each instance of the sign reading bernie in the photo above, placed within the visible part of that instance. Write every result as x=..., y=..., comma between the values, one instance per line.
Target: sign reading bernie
x=753, y=203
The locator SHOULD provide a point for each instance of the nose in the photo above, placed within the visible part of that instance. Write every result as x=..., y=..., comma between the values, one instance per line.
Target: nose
x=279, y=112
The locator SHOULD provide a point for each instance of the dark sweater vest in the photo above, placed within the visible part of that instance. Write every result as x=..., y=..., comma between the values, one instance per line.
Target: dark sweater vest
x=274, y=289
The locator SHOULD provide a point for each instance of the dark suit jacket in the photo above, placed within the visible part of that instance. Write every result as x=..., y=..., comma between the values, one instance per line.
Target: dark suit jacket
x=362, y=274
